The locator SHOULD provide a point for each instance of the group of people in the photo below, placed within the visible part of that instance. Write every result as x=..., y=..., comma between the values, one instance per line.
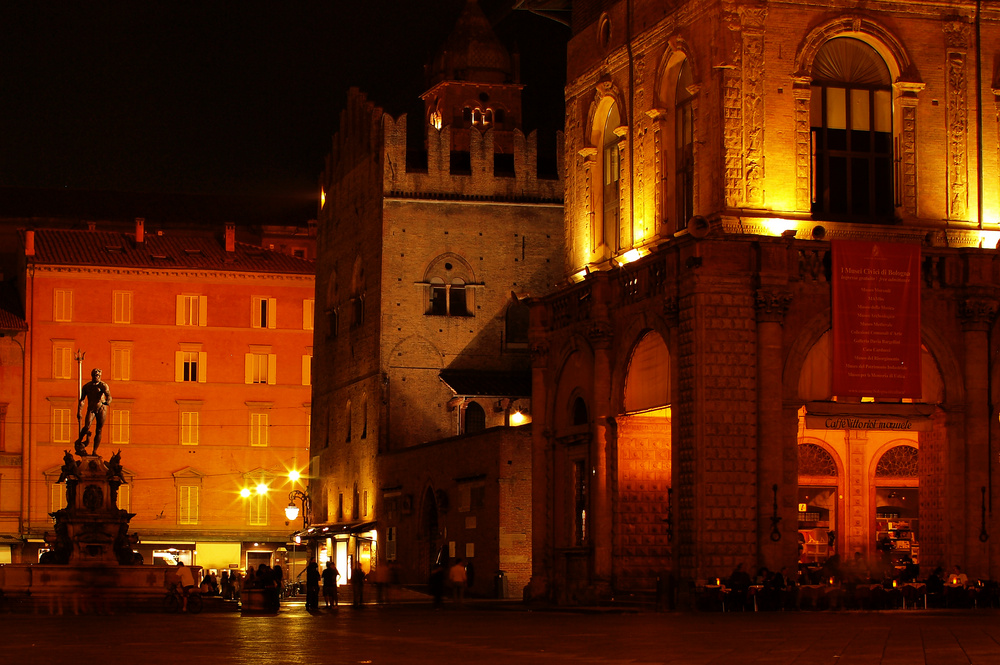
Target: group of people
x=329, y=580
x=457, y=576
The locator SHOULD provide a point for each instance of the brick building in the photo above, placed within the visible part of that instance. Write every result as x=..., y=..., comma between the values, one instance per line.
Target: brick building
x=424, y=260
x=700, y=400
x=206, y=345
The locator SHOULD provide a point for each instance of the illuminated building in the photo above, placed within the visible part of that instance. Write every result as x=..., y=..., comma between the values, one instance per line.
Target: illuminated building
x=205, y=342
x=683, y=389
x=424, y=261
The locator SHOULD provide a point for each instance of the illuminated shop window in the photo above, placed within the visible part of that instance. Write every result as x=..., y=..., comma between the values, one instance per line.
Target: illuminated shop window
x=122, y=307
x=62, y=305
x=851, y=119
x=192, y=310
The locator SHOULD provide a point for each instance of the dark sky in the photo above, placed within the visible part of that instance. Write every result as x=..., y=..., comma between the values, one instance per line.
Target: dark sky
x=214, y=97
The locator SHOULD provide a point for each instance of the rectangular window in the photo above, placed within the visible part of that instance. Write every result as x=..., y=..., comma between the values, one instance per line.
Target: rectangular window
x=190, y=364
x=258, y=429
x=122, y=307
x=192, y=310
x=121, y=424
x=62, y=305
x=307, y=370
x=124, y=497
x=60, y=424
x=57, y=496
x=263, y=312
x=62, y=360
x=261, y=365
x=187, y=504
x=189, y=428
x=258, y=509
x=308, y=314
x=121, y=362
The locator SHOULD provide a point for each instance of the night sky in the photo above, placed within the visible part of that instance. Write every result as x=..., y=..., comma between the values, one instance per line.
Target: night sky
x=213, y=97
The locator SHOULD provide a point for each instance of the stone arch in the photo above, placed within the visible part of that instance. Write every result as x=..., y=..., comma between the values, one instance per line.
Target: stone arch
x=643, y=448
x=638, y=326
x=649, y=348
x=574, y=378
x=606, y=93
x=936, y=345
x=666, y=73
x=864, y=29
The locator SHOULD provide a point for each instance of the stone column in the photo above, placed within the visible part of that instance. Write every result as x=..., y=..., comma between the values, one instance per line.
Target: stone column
x=600, y=336
x=771, y=307
x=542, y=499
x=977, y=315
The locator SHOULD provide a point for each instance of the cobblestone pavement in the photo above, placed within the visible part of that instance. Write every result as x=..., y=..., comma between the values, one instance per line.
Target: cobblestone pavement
x=489, y=634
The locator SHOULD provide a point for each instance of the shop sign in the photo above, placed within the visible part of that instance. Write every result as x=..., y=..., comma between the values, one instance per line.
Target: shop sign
x=876, y=320
x=877, y=423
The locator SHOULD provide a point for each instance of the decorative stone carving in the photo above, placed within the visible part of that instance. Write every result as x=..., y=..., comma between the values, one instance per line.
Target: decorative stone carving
x=752, y=28
x=600, y=334
x=977, y=313
x=956, y=37
x=908, y=145
x=802, y=93
x=743, y=106
x=771, y=305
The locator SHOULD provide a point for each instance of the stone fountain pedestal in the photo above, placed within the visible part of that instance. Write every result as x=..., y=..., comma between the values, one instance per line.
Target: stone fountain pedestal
x=91, y=567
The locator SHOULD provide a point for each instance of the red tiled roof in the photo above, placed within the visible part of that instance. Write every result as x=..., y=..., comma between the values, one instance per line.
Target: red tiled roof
x=115, y=249
x=11, y=314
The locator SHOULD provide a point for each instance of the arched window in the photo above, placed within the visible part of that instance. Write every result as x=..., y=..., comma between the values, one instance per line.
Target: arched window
x=347, y=416
x=456, y=299
x=611, y=168
x=475, y=418
x=447, y=279
x=580, y=414
x=516, y=323
x=851, y=119
x=684, y=146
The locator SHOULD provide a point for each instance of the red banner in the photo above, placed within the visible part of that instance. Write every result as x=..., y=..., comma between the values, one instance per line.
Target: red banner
x=876, y=319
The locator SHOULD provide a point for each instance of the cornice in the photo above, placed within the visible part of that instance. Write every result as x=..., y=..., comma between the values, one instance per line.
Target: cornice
x=175, y=273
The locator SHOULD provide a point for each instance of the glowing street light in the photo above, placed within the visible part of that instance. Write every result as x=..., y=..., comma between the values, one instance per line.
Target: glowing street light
x=292, y=511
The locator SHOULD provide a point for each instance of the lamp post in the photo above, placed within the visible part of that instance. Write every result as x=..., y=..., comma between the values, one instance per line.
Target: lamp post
x=292, y=514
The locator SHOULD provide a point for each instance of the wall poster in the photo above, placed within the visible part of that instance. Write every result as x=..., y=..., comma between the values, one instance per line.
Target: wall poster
x=876, y=319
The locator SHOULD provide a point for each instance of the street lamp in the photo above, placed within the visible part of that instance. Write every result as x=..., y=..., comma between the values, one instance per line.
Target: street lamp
x=292, y=511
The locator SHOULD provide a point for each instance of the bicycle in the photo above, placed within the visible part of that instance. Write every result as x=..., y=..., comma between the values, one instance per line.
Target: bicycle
x=174, y=601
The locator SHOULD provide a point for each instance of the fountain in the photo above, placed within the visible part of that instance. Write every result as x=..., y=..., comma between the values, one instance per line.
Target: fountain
x=91, y=566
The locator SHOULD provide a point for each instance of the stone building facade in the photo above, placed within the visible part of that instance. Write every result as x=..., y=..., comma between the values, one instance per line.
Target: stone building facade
x=205, y=342
x=425, y=260
x=719, y=157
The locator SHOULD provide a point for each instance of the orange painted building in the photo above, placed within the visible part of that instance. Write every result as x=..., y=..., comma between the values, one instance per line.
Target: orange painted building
x=205, y=343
